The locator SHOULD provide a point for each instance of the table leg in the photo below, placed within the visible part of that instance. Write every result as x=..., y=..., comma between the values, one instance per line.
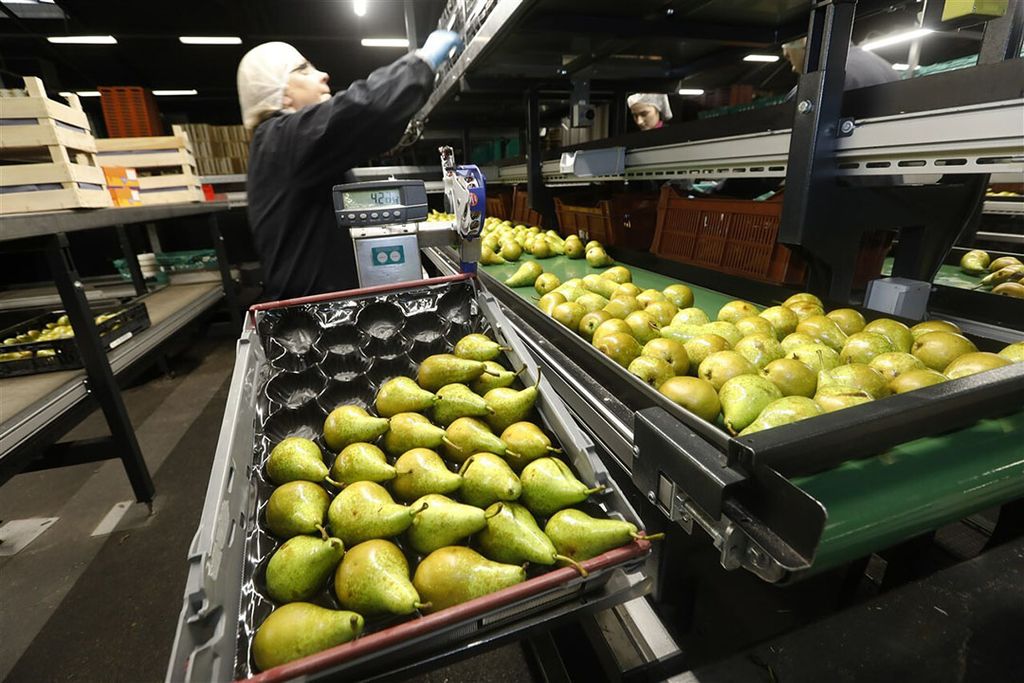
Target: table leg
x=102, y=384
x=230, y=291
x=132, y=260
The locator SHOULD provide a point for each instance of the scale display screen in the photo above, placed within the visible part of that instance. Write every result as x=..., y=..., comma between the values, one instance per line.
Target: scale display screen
x=371, y=199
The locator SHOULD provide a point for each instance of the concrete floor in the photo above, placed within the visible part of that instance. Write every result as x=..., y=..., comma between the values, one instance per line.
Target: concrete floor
x=83, y=607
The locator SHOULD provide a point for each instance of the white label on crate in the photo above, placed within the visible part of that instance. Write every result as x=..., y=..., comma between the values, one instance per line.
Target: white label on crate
x=120, y=340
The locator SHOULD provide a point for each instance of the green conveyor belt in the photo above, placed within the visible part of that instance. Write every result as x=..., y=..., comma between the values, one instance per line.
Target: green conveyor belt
x=948, y=276
x=879, y=501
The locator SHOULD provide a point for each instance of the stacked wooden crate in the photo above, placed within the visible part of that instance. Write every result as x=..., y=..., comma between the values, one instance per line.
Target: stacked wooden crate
x=165, y=165
x=47, y=154
x=220, y=150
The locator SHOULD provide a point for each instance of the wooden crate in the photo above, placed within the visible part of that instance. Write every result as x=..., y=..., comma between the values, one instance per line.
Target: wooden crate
x=47, y=154
x=165, y=165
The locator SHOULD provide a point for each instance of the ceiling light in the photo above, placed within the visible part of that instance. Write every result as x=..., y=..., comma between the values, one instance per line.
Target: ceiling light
x=900, y=67
x=173, y=93
x=359, y=7
x=761, y=58
x=80, y=93
x=895, y=38
x=385, y=42
x=691, y=91
x=83, y=40
x=210, y=40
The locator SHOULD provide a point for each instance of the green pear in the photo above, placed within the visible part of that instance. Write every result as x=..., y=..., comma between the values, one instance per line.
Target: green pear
x=494, y=376
x=421, y=471
x=893, y=330
x=782, y=319
x=782, y=412
x=486, y=479
x=541, y=248
x=760, y=348
x=351, y=424
x=643, y=326
x=365, y=510
x=591, y=302
x=794, y=340
x=513, y=537
x=690, y=316
x=526, y=275
x=577, y=535
x=590, y=322
x=548, y=301
x=743, y=398
x=620, y=347
x=569, y=290
x=442, y=522
x=466, y=436
x=569, y=314
x=600, y=285
x=546, y=282
x=824, y=330
x=938, y=349
x=723, y=329
x=805, y=297
x=509, y=405
x=573, y=248
x=973, y=363
x=489, y=258
x=720, y=367
x=850, y=321
x=680, y=295
x=526, y=442
x=856, y=375
x=619, y=274
x=652, y=371
x=411, y=430
x=975, y=262
x=455, y=401
x=361, y=462
x=1012, y=289
x=695, y=394
x=670, y=351
x=373, y=579
x=755, y=324
x=817, y=357
x=402, y=395
x=613, y=326
x=456, y=574
x=917, y=378
x=1003, y=262
x=892, y=365
x=933, y=326
x=1013, y=352
x=597, y=257
x=735, y=310
x=296, y=458
x=650, y=296
x=477, y=347
x=444, y=368
x=682, y=332
x=299, y=629
x=861, y=347
x=298, y=570
x=548, y=485
x=836, y=397
x=298, y=507
x=792, y=377
x=702, y=346
x=510, y=251
x=806, y=309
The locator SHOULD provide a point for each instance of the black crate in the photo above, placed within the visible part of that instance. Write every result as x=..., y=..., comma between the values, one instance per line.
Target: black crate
x=62, y=353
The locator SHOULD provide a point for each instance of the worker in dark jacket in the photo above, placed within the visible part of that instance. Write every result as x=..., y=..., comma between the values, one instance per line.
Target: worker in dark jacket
x=863, y=68
x=305, y=141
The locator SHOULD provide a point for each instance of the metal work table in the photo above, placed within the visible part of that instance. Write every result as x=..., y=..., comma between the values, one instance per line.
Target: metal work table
x=37, y=410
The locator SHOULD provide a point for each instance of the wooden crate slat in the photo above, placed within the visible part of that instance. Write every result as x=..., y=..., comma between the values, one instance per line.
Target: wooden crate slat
x=54, y=200
x=178, y=157
x=176, y=180
x=45, y=134
x=163, y=142
x=38, y=174
x=172, y=197
x=38, y=106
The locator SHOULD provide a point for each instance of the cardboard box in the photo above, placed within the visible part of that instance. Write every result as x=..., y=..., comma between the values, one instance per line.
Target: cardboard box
x=123, y=184
x=126, y=196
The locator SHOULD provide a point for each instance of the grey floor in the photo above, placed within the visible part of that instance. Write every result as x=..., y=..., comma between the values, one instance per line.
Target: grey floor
x=81, y=607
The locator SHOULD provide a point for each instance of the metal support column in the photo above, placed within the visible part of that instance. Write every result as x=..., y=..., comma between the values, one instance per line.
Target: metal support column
x=230, y=292
x=131, y=260
x=1003, y=36
x=411, y=30
x=102, y=384
x=537, y=197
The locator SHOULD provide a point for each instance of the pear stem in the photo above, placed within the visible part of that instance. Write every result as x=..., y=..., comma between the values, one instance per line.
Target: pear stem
x=465, y=465
x=496, y=512
x=596, y=489
x=422, y=605
x=451, y=444
x=335, y=484
x=323, y=531
x=645, y=537
x=420, y=509
x=574, y=564
x=552, y=449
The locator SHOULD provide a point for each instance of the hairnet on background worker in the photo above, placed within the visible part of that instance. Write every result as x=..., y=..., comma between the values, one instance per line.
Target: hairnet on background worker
x=305, y=141
x=650, y=110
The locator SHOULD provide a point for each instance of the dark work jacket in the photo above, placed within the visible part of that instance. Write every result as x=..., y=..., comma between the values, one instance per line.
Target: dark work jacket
x=295, y=159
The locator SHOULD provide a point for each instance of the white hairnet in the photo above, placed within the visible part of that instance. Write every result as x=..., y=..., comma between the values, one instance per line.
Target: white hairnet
x=656, y=100
x=262, y=77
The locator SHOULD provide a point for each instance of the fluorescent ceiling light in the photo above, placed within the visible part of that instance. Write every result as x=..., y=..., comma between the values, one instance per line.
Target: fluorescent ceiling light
x=172, y=93
x=385, y=42
x=761, y=58
x=691, y=91
x=210, y=40
x=359, y=7
x=895, y=38
x=900, y=67
x=83, y=40
x=80, y=93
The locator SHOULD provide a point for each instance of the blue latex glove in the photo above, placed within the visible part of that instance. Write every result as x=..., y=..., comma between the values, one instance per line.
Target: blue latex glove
x=438, y=46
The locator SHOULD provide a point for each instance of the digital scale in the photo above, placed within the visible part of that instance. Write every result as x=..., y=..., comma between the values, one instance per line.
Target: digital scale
x=387, y=222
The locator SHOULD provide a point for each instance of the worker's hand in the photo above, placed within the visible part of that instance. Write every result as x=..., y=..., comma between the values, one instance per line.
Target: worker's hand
x=438, y=47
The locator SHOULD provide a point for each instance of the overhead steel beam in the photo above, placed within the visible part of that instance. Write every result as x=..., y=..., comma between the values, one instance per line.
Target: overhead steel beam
x=662, y=27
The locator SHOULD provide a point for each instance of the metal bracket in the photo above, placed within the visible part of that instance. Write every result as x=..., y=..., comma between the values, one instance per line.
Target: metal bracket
x=845, y=128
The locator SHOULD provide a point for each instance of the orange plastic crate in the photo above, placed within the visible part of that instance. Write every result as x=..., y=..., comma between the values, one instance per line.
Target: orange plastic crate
x=130, y=112
x=626, y=220
x=521, y=213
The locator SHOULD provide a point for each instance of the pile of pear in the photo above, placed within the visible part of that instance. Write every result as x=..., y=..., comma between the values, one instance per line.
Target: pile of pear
x=1004, y=275
x=751, y=369
x=502, y=242
x=448, y=492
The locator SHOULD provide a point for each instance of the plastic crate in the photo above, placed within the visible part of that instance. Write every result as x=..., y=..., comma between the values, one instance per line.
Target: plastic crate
x=176, y=262
x=63, y=354
x=521, y=213
x=130, y=112
x=499, y=204
x=626, y=221
x=740, y=237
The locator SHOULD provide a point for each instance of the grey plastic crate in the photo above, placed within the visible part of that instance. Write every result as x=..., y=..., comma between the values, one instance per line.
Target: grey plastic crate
x=280, y=352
